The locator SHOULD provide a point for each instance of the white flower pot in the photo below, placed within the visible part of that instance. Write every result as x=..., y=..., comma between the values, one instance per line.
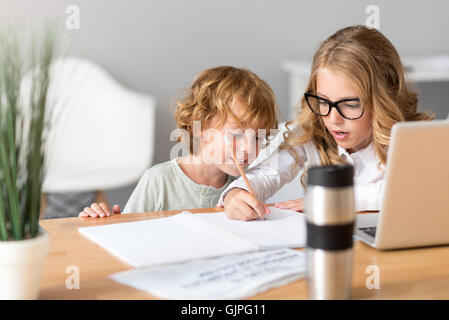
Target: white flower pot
x=21, y=266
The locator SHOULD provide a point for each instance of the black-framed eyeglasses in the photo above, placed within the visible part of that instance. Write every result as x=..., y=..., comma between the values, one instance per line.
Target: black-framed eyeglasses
x=350, y=109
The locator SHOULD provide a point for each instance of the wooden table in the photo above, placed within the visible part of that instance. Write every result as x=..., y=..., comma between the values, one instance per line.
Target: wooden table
x=404, y=274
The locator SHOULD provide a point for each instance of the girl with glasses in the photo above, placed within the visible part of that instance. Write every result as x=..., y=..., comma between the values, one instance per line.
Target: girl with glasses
x=356, y=92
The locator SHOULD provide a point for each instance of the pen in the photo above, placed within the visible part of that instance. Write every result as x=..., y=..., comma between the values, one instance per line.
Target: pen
x=242, y=172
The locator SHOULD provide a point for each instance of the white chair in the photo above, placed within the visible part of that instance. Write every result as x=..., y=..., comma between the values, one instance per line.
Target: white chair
x=101, y=135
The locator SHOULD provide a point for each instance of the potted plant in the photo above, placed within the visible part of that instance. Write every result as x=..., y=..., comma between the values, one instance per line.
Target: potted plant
x=24, y=81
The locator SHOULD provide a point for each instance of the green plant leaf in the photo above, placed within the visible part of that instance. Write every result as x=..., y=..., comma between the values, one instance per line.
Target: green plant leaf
x=22, y=126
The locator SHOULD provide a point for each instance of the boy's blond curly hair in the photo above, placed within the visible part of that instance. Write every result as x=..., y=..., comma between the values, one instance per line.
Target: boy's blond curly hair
x=212, y=94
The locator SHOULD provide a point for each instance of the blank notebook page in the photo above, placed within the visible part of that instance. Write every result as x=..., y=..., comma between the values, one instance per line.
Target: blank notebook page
x=281, y=229
x=167, y=240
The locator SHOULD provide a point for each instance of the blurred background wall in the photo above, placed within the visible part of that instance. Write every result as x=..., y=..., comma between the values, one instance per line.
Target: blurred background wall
x=158, y=46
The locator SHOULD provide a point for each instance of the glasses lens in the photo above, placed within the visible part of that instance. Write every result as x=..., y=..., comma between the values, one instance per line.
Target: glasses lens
x=351, y=109
x=318, y=105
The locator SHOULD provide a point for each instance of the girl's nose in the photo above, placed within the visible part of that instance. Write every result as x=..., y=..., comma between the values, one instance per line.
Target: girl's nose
x=335, y=117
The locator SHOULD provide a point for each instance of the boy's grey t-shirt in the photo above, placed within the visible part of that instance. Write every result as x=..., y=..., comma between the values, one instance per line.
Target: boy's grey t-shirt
x=165, y=186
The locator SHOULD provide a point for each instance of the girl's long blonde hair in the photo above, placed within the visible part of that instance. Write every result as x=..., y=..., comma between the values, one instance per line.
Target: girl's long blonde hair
x=367, y=59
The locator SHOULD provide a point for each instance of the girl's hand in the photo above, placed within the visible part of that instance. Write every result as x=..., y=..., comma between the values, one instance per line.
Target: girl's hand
x=295, y=205
x=99, y=210
x=241, y=205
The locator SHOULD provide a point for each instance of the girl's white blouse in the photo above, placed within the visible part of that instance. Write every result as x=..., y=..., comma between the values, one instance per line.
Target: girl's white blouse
x=281, y=168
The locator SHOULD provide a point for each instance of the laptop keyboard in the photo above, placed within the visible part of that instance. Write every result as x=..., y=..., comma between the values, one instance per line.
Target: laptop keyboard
x=369, y=231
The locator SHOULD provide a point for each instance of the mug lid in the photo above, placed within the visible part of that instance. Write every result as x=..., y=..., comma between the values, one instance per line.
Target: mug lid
x=331, y=176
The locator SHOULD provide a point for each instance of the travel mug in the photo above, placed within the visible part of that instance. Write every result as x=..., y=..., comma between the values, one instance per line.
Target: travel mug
x=330, y=215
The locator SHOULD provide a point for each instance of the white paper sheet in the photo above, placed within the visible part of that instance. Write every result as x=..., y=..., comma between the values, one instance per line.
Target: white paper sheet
x=281, y=229
x=166, y=240
x=189, y=236
x=230, y=277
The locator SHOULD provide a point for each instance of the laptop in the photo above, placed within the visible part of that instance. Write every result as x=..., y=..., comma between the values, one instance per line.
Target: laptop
x=415, y=206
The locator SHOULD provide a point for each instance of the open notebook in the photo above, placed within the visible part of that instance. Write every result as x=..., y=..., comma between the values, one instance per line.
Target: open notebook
x=188, y=236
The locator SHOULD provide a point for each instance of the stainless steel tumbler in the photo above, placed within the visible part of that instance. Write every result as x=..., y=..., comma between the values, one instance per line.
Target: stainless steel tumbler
x=330, y=215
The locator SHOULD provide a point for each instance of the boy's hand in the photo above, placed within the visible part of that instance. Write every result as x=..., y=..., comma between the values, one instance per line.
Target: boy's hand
x=241, y=205
x=295, y=205
x=99, y=210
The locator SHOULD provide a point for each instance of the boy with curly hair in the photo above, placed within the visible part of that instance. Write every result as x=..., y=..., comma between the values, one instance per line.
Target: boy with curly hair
x=222, y=101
